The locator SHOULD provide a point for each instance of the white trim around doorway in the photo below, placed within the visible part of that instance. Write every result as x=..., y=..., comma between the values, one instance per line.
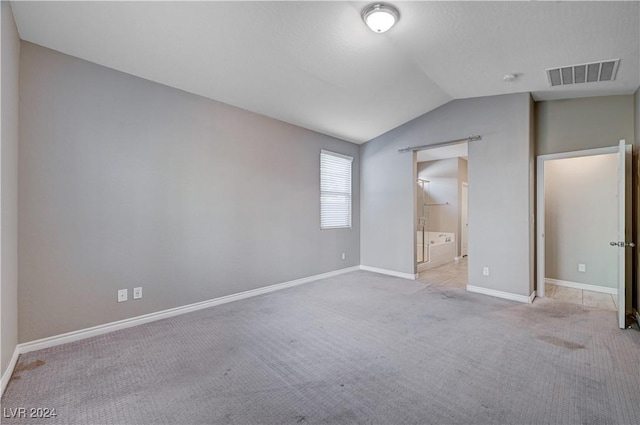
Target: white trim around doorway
x=540, y=251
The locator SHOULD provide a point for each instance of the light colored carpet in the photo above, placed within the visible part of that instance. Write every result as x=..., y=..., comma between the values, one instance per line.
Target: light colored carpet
x=358, y=348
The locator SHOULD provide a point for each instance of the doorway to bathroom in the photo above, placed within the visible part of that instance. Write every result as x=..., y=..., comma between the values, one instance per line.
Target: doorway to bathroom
x=441, y=210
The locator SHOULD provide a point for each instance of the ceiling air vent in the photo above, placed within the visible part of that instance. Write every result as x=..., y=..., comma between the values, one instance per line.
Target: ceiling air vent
x=583, y=73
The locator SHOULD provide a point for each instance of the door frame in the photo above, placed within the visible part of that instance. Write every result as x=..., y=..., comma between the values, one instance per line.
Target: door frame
x=414, y=174
x=540, y=212
x=464, y=227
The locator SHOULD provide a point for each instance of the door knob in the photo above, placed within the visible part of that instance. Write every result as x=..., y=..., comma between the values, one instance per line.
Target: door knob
x=623, y=244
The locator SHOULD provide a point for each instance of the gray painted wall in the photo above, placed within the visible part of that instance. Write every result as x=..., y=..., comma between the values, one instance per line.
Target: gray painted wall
x=10, y=59
x=587, y=123
x=125, y=182
x=579, y=220
x=500, y=207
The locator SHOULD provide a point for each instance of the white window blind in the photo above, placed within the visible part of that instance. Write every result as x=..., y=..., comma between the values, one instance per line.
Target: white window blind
x=335, y=190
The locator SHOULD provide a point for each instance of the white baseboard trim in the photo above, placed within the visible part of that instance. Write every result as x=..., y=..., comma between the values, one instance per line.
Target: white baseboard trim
x=389, y=272
x=65, y=338
x=585, y=286
x=10, y=368
x=502, y=294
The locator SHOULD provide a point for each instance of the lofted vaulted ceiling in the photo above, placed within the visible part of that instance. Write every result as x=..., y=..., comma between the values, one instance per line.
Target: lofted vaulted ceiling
x=316, y=65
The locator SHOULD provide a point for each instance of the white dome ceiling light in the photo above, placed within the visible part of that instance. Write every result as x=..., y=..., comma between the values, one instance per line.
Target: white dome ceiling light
x=380, y=17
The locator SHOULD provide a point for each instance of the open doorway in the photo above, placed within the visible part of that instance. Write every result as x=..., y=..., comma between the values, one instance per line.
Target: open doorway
x=441, y=204
x=583, y=217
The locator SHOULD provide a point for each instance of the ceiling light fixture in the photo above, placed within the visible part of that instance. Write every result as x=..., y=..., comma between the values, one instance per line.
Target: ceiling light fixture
x=380, y=17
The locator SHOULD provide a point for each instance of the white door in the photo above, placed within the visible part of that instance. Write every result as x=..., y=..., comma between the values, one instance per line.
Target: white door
x=623, y=243
x=464, y=221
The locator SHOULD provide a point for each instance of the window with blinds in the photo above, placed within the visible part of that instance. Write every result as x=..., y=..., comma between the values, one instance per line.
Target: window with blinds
x=335, y=190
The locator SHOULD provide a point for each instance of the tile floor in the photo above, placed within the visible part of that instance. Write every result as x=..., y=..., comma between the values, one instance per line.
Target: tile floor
x=580, y=296
x=454, y=275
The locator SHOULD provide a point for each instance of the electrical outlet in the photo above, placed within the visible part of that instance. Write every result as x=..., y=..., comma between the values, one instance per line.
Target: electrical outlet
x=137, y=293
x=485, y=271
x=344, y=256
x=582, y=268
x=122, y=295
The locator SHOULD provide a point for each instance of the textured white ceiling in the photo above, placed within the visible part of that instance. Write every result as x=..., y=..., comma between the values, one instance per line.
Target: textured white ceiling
x=316, y=65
